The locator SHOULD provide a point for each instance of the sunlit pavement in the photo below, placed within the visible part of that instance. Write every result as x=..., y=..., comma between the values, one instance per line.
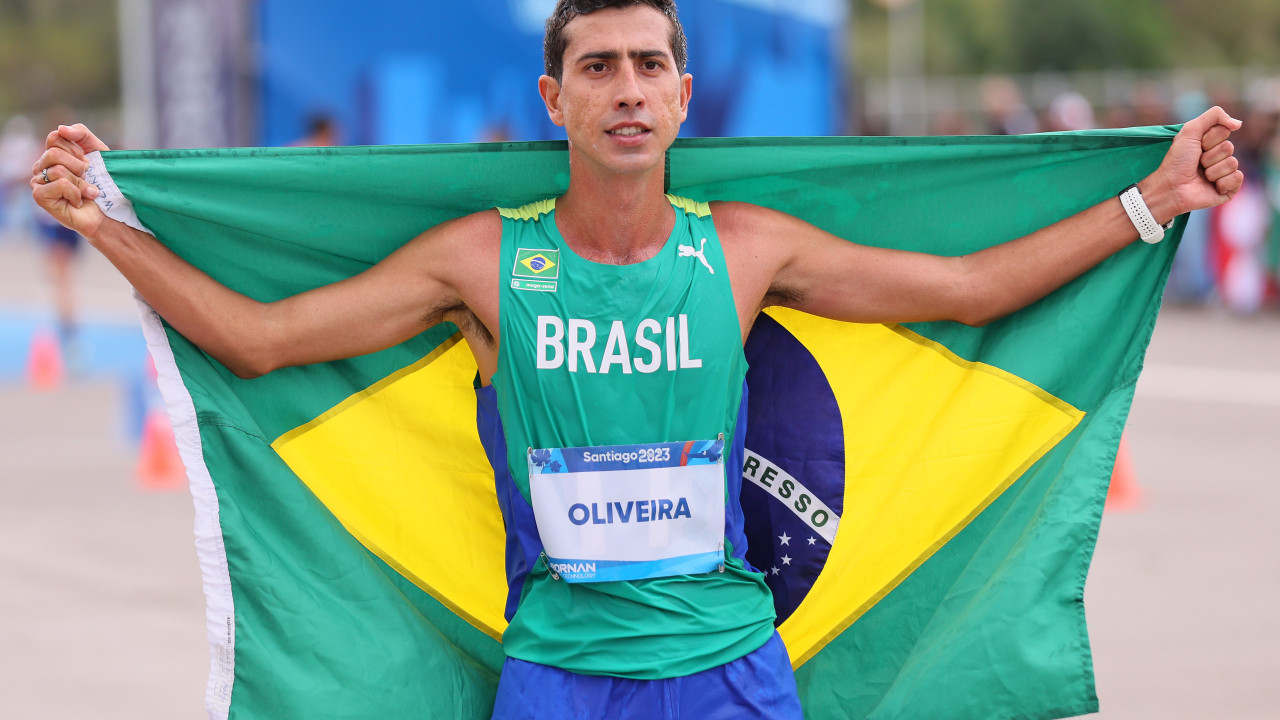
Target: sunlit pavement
x=102, y=615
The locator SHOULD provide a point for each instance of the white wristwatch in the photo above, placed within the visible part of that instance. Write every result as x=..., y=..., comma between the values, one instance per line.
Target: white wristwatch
x=1148, y=229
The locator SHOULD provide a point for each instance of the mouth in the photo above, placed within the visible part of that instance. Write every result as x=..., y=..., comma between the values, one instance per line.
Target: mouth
x=627, y=131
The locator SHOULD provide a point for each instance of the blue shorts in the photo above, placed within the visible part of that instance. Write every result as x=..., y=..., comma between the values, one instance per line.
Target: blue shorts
x=59, y=236
x=757, y=685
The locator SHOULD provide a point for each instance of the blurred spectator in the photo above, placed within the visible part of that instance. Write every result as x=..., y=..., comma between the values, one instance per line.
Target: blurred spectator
x=1271, y=176
x=1151, y=105
x=1070, y=111
x=951, y=123
x=61, y=245
x=1006, y=113
x=322, y=131
x=19, y=149
x=1264, y=114
x=496, y=132
x=1238, y=232
x=1120, y=116
x=1239, y=229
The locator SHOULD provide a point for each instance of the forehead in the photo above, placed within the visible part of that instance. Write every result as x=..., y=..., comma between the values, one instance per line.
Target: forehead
x=638, y=27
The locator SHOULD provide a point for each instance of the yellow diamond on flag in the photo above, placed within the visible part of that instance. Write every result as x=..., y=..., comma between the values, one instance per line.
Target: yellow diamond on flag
x=930, y=440
x=401, y=466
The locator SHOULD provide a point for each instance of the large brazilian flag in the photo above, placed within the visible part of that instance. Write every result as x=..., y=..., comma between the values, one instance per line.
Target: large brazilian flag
x=924, y=499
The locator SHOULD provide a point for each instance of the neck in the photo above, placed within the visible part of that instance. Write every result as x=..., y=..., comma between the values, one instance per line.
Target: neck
x=611, y=218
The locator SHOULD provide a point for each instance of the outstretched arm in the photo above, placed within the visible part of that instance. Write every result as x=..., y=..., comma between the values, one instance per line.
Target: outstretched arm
x=821, y=274
x=387, y=304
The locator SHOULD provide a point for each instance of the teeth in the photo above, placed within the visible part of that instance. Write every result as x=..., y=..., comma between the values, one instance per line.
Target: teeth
x=627, y=131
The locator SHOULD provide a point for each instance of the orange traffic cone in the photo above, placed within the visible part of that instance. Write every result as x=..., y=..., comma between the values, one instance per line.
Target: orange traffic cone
x=1124, y=493
x=159, y=466
x=45, y=369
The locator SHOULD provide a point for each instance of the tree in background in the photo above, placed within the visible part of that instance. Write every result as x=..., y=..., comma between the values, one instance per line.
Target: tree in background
x=1021, y=36
x=58, y=52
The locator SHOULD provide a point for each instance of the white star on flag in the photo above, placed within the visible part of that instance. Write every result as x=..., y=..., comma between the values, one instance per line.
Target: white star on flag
x=774, y=569
x=786, y=560
x=784, y=539
x=813, y=540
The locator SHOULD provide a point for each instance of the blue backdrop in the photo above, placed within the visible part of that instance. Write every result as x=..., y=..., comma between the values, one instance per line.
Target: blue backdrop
x=392, y=72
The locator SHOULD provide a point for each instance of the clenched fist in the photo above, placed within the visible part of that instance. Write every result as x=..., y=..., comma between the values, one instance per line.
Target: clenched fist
x=57, y=179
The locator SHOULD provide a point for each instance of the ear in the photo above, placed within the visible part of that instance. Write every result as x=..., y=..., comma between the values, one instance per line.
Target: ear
x=686, y=94
x=549, y=88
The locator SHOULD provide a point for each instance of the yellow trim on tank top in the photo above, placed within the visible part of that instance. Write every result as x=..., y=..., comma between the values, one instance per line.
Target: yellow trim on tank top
x=694, y=207
x=537, y=209
x=532, y=211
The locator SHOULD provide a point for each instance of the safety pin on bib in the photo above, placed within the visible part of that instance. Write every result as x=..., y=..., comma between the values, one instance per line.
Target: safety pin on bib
x=547, y=561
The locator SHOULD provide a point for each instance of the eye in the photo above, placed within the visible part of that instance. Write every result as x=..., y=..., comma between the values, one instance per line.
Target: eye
x=597, y=67
x=651, y=65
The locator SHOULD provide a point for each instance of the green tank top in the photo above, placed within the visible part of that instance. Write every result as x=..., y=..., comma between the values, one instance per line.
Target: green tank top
x=600, y=355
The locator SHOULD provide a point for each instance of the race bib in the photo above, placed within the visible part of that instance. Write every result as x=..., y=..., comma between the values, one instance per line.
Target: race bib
x=629, y=512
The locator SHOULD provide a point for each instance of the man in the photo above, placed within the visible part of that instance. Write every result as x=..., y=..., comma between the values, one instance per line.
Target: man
x=608, y=326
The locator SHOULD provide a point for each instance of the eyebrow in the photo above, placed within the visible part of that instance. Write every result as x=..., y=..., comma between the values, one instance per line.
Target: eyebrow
x=614, y=55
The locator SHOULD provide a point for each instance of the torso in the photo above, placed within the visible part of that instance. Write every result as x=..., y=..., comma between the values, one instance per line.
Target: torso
x=666, y=365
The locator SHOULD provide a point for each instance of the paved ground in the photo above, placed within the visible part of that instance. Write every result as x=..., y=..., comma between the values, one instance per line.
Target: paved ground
x=1181, y=597
x=101, y=613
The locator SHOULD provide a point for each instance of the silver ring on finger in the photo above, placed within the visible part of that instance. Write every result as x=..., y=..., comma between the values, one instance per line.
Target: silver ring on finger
x=45, y=174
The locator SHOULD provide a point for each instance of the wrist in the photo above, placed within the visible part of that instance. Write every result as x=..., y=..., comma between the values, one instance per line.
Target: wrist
x=1160, y=199
x=102, y=233
x=1135, y=206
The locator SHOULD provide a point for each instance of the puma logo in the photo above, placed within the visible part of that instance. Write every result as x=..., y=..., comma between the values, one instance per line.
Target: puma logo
x=688, y=251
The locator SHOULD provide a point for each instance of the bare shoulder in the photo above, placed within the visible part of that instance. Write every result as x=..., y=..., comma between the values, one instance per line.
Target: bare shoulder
x=450, y=266
x=765, y=237
x=463, y=255
x=455, y=249
x=742, y=221
x=759, y=230
x=755, y=249
x=474, y=231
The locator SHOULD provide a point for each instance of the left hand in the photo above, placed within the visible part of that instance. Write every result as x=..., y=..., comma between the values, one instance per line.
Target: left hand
x=1199, y=171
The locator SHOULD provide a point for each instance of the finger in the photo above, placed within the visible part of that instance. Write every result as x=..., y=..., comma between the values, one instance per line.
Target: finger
x=60, y=172
x=55, y=140
x=47, y=195
x=69, y=191
x=1221, y=169
x=57, y=156
x=1213, y=116
x=80, y=135
x=1217, y=154
x=1214, y=136
x=1230, y=184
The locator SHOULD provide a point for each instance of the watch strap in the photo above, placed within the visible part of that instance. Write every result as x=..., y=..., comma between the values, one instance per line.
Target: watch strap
x=1140, y=215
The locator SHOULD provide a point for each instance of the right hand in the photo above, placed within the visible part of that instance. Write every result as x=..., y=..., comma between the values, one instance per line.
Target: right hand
x=67, y=197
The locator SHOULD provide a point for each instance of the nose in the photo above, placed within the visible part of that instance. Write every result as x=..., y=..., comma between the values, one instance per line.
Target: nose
x=629, y=94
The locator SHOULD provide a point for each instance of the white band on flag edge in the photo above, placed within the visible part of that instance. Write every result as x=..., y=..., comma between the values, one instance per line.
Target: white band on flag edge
x=210, y=549
x=113, y=202
x=212, y=553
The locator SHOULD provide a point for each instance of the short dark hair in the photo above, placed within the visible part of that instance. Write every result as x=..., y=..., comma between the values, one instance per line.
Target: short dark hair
x=555, y=42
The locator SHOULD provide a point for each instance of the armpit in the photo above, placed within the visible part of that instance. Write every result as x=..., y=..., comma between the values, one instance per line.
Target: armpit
x=466, y=320
x=782, y=295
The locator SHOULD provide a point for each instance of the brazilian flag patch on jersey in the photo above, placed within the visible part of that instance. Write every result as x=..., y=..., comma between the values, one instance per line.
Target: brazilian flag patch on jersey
x=536, y=270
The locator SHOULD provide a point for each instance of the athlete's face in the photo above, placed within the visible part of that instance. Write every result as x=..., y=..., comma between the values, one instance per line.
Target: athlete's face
x=621, y=99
